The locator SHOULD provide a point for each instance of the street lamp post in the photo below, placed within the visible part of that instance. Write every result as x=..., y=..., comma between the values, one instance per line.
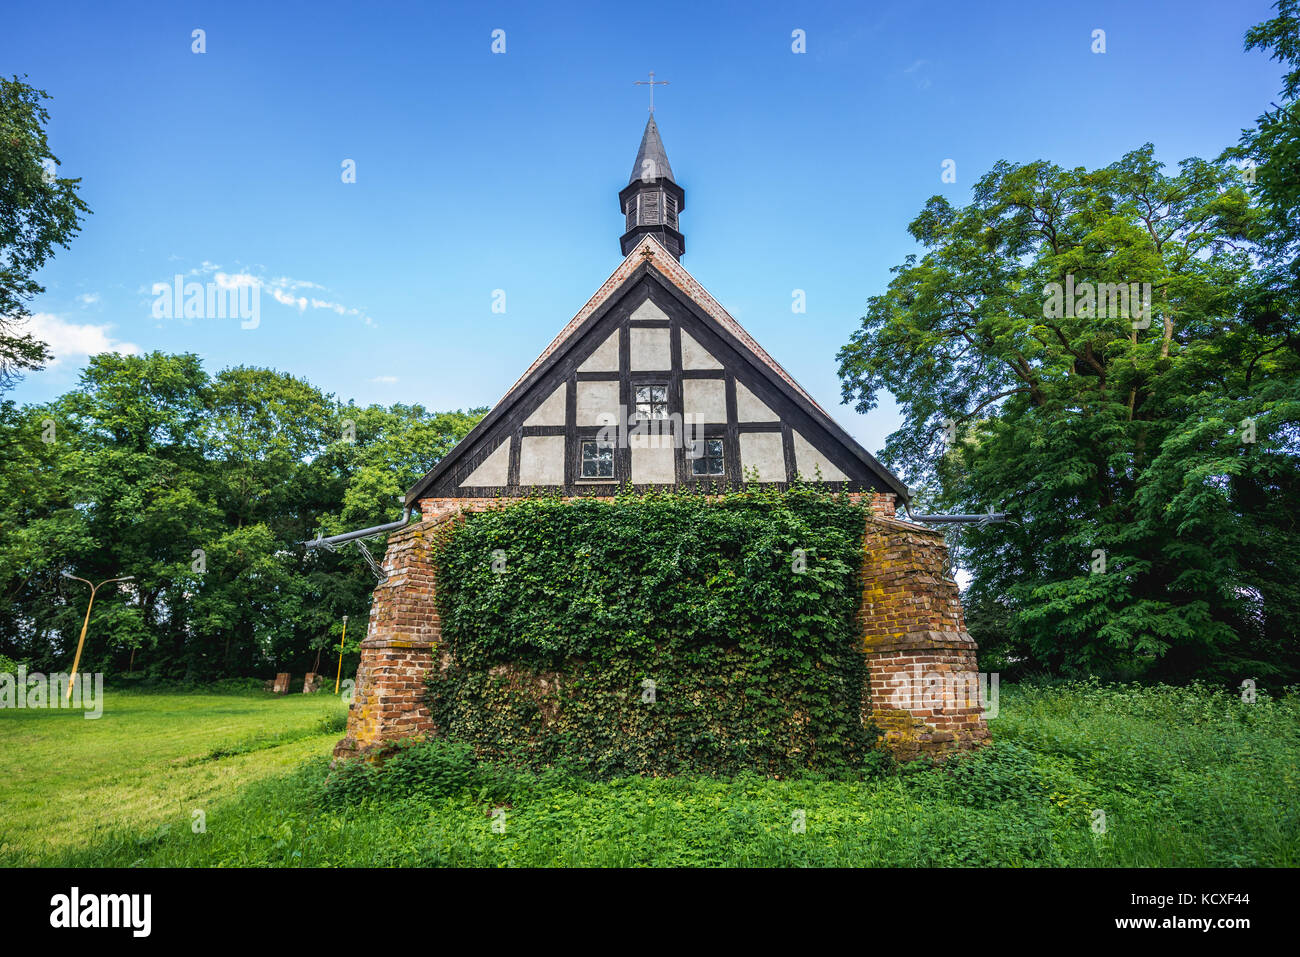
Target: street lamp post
x=342, y=641
x=82, y=640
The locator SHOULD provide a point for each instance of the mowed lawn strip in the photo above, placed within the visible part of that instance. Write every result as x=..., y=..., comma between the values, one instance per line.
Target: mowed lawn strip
x=149, y=760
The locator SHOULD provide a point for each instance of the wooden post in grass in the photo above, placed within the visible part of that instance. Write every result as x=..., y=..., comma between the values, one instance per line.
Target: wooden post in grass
x=342, y=641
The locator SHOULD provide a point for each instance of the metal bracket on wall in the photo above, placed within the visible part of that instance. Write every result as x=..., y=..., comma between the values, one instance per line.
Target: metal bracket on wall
x=376, y=569
x=381, y=576
x=372, y=532
x=988, y=518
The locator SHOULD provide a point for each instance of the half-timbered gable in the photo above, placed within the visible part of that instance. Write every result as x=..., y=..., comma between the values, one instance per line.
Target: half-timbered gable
x=653, y=384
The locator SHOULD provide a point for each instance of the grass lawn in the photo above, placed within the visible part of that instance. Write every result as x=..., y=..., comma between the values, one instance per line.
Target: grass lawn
x=1184, y=777
x=149, y=760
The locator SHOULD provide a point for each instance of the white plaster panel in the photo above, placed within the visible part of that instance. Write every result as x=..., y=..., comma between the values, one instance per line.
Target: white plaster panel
x=648, y=350
x=541, y=460
x=550, y=412
x=648, y=310
x=705, y=397
x=605, y=358
x=597, y=403
x=695, y=356
x=653, y=465
x=807, y=460
x=762, y=451
x=493, y=471
x=750, y=408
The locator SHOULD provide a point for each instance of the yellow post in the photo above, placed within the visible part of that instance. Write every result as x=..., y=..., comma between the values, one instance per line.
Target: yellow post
x=342, y=640
x=82, y=640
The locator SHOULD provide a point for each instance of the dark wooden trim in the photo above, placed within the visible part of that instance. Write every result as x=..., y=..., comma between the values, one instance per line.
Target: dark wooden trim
x=731, y=450
x=787, y=447
x=571, y=424
x=516, y=446
x=622, y=454
x=702, y=485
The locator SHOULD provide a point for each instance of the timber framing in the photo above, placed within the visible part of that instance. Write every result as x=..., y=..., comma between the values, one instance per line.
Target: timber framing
x=794, y=409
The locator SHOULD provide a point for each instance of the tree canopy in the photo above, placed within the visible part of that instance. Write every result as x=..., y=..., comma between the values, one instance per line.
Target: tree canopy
x=202, y=487
x=1111, y=356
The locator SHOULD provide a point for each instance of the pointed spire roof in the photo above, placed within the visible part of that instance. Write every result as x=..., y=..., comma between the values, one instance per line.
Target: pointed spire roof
x=652, y=149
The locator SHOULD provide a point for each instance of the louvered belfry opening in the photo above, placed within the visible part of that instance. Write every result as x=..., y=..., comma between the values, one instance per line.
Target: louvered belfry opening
x=652, y=199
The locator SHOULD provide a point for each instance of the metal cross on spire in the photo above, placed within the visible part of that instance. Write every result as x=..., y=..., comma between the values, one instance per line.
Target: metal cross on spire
x=652, y=83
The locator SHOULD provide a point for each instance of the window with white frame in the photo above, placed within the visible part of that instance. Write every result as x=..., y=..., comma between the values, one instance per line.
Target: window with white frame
x=652, y=402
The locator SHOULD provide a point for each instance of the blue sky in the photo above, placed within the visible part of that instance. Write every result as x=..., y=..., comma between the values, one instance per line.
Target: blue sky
x=478, y=171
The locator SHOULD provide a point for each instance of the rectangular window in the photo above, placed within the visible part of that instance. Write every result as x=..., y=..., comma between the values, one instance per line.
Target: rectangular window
x=597, y=460
x=706, y=457
x=652, y=402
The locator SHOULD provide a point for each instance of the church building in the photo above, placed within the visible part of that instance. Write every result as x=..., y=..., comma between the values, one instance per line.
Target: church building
x=653, y=384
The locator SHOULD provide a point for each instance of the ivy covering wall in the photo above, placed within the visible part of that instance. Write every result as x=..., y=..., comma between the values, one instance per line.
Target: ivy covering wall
x=661, y=633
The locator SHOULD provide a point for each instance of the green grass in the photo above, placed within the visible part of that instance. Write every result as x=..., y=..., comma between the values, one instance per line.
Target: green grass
x=150, y=760
x=1186, y=777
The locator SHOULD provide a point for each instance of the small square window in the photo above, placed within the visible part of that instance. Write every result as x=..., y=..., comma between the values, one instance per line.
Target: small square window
x=652, y=402
x=706, y=457
x=597, y=459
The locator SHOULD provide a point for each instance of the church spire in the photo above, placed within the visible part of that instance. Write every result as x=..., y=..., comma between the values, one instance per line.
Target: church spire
x=651, y=200
x=651, y=158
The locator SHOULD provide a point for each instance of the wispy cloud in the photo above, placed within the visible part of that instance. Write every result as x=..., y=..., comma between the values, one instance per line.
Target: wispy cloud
x=88, y=299
x=387, y=379
x=73, y=340
x=921, y=81
x=284, y=290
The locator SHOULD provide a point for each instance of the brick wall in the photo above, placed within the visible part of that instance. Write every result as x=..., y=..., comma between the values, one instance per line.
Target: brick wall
x=397, y=653
x=922, y=675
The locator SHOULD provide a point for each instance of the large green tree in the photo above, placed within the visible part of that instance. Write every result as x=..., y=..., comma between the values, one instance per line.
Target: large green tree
x=1159, y=445
x=203, y=488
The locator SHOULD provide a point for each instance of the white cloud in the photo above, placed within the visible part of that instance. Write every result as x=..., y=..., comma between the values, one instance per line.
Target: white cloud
x=73, y=340
x=88, y=298
x=238, y=280
x=286, y=299
x=282, y=289
x=387, y=379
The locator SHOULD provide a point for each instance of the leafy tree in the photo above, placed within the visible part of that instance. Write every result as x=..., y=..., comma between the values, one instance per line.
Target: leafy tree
x=203, y=488
x=38, y=211
x=1165, y=438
